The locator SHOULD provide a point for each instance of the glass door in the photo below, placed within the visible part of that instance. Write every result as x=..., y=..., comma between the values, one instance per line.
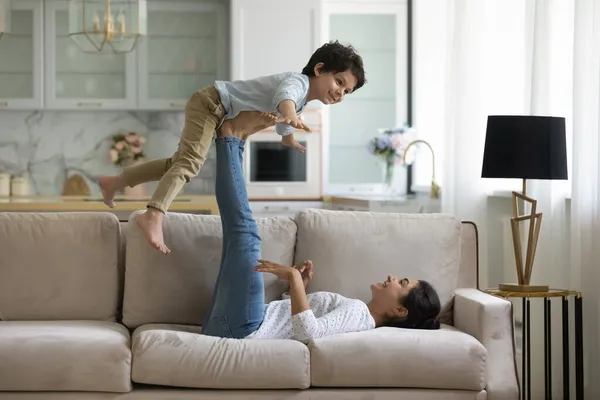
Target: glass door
x=21, y=58
x=184, y=51
x=78, y=80
x=379, y=34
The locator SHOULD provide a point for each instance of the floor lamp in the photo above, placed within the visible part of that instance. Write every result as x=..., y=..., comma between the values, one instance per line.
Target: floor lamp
x=525, y=147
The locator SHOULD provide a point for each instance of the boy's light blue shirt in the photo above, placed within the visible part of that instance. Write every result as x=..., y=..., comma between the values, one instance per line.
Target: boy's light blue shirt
x=264, y=94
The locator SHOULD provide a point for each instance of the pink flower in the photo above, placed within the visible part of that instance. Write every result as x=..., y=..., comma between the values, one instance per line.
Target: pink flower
x=114, y=155
x=131, y=137
x=120, y=145
x=399, y=143
x=136, y=149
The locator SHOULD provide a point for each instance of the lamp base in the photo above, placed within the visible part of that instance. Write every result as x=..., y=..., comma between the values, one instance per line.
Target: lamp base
x=515, y=287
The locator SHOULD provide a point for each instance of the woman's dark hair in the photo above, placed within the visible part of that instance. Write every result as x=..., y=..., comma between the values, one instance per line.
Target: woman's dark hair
x=337, y=58
x=423, y=306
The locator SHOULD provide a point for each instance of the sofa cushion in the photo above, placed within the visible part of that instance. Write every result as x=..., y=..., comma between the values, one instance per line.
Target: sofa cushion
x=59, y=266
x=162, y=393
x=64, y=356
x=392, y=357
x=175, y=355
x=351, y=250
x=177, y=288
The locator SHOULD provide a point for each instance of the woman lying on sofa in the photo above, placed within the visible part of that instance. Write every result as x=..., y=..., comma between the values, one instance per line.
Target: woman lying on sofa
x=238, y=307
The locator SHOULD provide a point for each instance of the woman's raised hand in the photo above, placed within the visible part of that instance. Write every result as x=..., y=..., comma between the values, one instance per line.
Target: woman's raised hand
x=306, y=271
x=282, y=272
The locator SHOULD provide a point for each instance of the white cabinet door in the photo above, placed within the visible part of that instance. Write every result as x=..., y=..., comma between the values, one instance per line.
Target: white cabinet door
x=80, y=81
x=21, y=58
x=184, y=51
x=272, y=36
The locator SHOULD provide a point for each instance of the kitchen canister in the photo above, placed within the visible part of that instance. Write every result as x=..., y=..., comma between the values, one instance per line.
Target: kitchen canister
x=19, y=186
x=4, y=184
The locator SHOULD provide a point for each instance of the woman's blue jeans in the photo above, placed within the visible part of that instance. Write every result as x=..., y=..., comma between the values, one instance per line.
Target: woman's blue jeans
x=238, y=302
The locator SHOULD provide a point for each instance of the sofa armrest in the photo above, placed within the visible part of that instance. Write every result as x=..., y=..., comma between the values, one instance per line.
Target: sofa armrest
x=489, y=319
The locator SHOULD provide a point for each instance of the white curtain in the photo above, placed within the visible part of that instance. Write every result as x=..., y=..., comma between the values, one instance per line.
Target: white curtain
x=585, y=202
x=484, y=64
x=463, y=194
x=563, y=70
x=533, y=57
x=549, y=33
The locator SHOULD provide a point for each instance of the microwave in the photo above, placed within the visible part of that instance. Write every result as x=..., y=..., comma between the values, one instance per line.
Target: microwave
x=275, y=172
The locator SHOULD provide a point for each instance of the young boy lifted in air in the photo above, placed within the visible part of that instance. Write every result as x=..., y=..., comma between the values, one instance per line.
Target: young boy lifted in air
x=333, y=71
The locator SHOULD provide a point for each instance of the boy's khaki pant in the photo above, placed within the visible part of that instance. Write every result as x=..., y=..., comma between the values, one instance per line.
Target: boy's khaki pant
x=203, y=112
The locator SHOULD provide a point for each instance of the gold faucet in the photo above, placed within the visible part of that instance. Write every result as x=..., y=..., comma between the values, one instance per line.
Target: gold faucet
x=435, y=188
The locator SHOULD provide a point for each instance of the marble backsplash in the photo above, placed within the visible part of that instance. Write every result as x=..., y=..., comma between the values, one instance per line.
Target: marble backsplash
x=50, y=146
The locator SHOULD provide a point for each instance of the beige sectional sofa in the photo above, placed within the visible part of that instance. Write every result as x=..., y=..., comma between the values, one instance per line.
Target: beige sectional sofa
x=89, y=311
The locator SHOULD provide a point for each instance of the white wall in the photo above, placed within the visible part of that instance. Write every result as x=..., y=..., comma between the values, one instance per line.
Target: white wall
x=429, y=70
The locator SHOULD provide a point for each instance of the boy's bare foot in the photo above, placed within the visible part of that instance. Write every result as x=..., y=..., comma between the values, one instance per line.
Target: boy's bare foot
x=109, y=185
x=150, y=223
x=246, y=123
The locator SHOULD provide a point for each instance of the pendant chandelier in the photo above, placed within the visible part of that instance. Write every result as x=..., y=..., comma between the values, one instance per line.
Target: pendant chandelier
x=4, y=17
x=107, y=26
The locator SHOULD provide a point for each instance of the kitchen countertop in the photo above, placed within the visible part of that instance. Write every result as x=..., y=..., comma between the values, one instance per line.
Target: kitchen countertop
x=78, y=203
x=186, y=203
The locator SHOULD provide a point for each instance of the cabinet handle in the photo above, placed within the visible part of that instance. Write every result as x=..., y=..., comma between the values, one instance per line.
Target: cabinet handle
x=176, y=105
x=89, y=104
x=3, y=103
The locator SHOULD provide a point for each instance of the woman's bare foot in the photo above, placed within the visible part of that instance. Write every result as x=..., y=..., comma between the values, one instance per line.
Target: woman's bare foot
x=109, y=186
x=150, y=223
x=247, y=123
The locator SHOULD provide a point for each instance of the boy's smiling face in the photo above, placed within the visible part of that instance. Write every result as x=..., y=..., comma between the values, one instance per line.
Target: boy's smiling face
x=331, y=87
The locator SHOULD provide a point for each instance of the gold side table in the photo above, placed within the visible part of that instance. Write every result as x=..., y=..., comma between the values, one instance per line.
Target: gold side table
x=526, y=344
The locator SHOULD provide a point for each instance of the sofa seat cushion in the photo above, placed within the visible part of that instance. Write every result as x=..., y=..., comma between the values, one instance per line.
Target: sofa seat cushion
x=64, y=356
x=392, y=357
x=176, y=355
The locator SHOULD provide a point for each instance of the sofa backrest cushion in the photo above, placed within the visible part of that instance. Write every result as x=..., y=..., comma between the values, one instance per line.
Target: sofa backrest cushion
x=351, y=250
x=59, y=266
x=177, y=288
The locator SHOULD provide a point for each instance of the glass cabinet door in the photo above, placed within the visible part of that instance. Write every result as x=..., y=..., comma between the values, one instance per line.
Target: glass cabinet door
x=379, y=34
x=78, y=80
x=21, y=58
x=184, y=51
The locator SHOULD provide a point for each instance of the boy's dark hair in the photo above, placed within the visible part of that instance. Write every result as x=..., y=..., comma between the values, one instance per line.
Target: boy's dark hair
x=337, y=58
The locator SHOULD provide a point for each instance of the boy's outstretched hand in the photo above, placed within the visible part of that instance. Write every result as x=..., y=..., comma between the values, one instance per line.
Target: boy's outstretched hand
x=289, y=141
x=296, y=123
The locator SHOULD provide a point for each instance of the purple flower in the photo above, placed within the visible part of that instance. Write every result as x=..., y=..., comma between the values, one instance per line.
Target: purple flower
x=384, y=142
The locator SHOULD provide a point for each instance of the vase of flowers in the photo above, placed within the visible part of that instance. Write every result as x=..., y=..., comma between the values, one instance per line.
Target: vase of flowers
x=127, y=150
x=389, y=146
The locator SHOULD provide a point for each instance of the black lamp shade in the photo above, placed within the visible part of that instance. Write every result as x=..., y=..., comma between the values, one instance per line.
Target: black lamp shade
x=525, y=147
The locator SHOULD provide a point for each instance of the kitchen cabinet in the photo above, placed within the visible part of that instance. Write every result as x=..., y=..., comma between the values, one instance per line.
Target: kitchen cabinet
x=421, y=203
x=185, y=50
x=79, y=81
x=273, y=36
x=282, y=209
x=21, y=58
